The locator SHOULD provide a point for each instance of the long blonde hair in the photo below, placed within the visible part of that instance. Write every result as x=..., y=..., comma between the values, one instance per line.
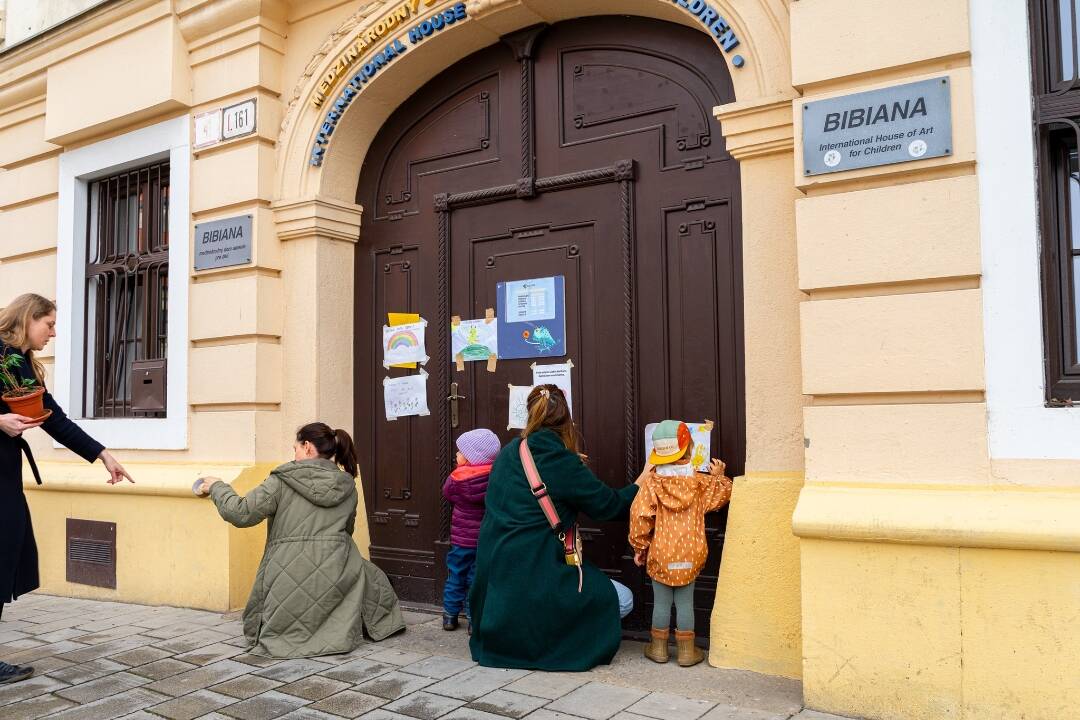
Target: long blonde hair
x=548, y=409
x=15, y=321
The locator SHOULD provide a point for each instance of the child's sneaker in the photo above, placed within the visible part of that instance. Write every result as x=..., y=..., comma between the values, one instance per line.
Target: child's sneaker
x=449, y=622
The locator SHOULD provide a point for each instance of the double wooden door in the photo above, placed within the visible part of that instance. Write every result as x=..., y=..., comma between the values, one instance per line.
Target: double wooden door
x=586, y=150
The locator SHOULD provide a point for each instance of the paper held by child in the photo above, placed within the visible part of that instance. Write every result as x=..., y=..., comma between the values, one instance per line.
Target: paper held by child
x=700, y=433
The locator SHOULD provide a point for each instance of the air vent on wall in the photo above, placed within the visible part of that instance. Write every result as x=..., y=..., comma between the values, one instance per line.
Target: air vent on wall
x=91, y=553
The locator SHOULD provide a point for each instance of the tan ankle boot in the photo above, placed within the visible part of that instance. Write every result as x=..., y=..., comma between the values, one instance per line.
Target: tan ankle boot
x=656, y=650
x=689, y=654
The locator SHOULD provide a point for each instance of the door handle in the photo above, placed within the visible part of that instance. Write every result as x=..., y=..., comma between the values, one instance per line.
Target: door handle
x=453, y=398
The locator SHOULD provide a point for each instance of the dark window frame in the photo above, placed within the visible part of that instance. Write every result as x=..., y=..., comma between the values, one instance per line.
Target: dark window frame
x=126, y=285
x=1057, y=132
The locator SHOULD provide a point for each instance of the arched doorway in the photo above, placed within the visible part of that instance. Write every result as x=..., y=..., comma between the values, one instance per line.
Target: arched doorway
x=589, y=150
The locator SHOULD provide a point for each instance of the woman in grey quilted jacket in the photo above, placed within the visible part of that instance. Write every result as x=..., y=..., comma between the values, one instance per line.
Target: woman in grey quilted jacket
x=314, y=593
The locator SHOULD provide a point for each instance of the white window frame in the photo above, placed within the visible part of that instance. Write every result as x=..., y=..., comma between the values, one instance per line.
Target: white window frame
x=1020, y=424
x=78, y=168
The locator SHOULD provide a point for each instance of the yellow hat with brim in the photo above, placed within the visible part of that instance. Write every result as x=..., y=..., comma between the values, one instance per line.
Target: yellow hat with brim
x=671, y=439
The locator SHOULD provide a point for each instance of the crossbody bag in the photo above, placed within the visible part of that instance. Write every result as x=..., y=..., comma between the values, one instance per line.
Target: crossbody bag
x=569, y=538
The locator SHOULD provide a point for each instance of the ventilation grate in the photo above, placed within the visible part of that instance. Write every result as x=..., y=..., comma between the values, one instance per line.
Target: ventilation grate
x=91, y=553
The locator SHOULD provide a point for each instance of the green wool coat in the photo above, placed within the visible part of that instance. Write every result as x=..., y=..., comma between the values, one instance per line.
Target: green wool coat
x=526, y=608
x=314, y=593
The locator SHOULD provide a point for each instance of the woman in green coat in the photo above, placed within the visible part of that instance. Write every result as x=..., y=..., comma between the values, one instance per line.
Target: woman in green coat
x=530, y=609
x=314, y=593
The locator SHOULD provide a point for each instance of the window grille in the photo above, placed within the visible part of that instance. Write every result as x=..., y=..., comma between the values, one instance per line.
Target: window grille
x=1056, y=82
x=127, y=286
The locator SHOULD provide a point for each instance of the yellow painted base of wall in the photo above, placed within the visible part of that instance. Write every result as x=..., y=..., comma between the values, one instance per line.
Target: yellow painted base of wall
x=172, y=548
x=756, y=623
x=896, y=630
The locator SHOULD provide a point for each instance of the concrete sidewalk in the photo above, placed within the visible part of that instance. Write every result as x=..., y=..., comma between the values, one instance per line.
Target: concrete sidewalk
x=104, y=660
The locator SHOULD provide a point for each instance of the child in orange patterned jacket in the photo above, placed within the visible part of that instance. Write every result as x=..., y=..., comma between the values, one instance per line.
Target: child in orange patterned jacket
x=667, y=532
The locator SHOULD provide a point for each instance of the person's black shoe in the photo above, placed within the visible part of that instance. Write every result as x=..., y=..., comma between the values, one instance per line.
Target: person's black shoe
x=449, y=622
x=14, y=673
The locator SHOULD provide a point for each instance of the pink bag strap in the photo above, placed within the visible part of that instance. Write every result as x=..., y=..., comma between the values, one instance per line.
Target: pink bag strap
x=539, y=489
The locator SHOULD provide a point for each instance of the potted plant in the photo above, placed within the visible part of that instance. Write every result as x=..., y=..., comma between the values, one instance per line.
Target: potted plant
x=23, y=396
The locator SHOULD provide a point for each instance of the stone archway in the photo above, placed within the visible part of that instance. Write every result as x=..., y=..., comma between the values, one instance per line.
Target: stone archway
x=318, y=222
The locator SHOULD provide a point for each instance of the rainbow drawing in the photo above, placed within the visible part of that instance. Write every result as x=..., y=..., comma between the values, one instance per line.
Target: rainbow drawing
x=402, y=339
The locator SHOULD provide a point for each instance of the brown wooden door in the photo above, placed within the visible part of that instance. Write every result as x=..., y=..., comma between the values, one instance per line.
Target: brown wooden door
x=586, y=150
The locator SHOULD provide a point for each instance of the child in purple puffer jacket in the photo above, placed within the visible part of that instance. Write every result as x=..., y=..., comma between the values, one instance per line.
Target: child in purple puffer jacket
x=465, y=489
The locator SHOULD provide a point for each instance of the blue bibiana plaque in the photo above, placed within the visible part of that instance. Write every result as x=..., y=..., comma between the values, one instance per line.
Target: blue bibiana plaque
x=532, y=318
x=880, y=127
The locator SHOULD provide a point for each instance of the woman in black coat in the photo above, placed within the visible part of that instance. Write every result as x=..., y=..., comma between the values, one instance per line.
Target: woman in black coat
x=26, y=325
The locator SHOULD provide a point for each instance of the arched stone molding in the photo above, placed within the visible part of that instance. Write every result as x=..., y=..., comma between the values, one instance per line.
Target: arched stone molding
x=761, y=26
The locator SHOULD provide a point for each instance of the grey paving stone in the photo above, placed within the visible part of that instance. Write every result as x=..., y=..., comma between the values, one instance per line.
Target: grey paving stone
x=357, y=671
x=291, y=670
x=390, y=656
x=171, y=630
x=257, y=660
x=23, y=643
x=77, y=674
x=731, y=712
x=200, y=678
x=466, y=713
x=264, y=707
x=115, y=633
x=113, y=647
x=313, y=688
x=818, y=715
x=628, y=716
x=394, y=684
x=545, y=714
x=597, y=701
x=548, y=685
x=141, y=715
x=246, y=686
x=361, y=650
x=8, y=635
x=33, y=687
x=192, y=641
x=306, y=713
x=140, y=656
x=102, y=687
x=510, y=704
x=438, y=667
x=161, y=669
x=210, y=654
x=424, y=705
x=45, y=666
x=112, y=707
x=35, y=707
x=476, y=682
x=381, y=714
x=196, y=704
x=58, y=635
x=348, y=704
x=665, y=706
x=28, y=657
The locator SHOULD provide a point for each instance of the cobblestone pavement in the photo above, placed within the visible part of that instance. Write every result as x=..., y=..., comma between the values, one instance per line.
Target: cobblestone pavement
x=103, y=660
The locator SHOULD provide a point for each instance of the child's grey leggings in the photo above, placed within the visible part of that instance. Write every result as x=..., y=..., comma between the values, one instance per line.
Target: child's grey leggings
x=663, y=595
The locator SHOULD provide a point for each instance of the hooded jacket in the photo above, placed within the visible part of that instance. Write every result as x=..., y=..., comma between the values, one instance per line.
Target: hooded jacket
x=465, y=490
x=667, y=518
x=314, y=593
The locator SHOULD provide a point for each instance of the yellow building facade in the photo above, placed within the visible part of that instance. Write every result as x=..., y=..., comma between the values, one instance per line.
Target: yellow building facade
x=905, y=536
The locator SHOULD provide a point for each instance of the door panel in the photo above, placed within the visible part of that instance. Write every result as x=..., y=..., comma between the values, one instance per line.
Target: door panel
x=588, y=150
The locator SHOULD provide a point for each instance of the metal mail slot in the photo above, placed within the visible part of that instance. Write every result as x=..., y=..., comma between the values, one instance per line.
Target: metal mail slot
x=148, y=385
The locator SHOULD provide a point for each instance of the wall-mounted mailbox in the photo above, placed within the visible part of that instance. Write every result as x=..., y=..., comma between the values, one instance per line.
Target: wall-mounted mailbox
x=148, y=385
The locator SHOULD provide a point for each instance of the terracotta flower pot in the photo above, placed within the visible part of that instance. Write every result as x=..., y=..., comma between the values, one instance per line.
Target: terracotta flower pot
x=29, y=405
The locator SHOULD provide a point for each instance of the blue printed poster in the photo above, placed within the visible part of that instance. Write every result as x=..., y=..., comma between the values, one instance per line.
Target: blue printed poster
x=532, y=318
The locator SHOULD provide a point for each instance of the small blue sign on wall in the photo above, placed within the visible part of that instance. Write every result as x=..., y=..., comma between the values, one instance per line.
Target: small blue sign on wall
x=532, y=318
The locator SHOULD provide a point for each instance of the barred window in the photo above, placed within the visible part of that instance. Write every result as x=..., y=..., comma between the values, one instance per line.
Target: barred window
x=127, y=293
x=1056, y=82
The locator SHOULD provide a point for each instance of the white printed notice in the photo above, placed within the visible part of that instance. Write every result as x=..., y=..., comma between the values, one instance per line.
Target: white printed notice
x=404, y=396
x=557, y=374
x=700, y=433
x=530, y=300
x=519, y=406
x=404, y=344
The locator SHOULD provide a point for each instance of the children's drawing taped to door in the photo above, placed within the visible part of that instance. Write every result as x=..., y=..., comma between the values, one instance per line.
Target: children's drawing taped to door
x=404, y=396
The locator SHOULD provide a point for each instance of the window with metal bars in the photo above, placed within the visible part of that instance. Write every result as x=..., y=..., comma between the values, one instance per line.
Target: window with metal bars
x=127, y=291
x=1056, y=81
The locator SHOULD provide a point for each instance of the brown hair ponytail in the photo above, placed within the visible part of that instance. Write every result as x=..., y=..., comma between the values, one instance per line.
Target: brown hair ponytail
x=331, y=444
x=548, y=409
